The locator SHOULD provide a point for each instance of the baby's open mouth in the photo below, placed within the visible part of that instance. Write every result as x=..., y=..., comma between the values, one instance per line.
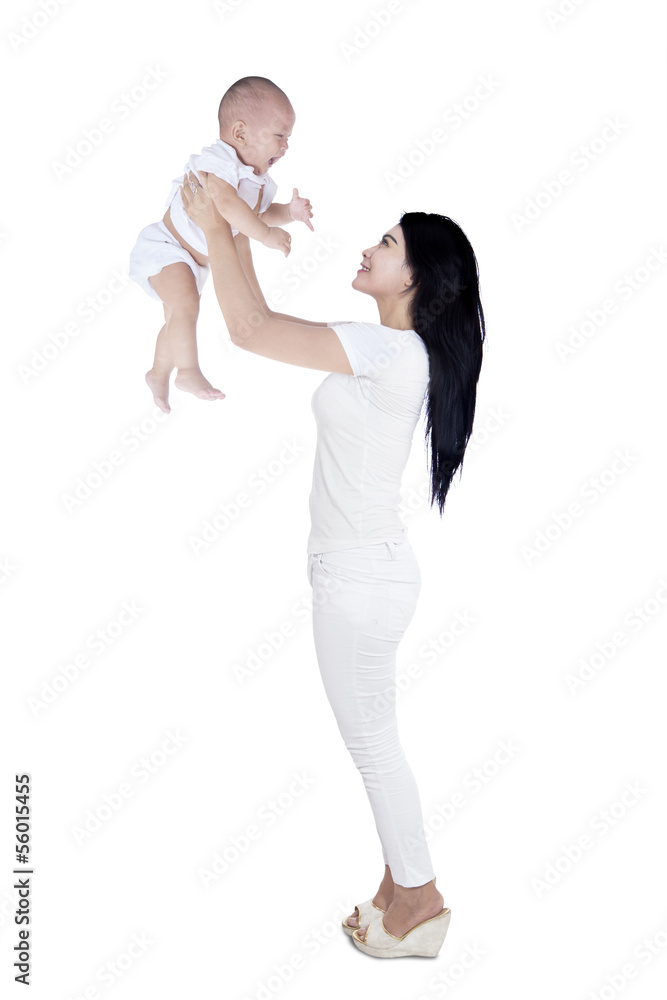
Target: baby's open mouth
x=273, y=160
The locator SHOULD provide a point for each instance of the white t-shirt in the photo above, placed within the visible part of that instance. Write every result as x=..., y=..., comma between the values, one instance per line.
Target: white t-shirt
x=222, y=160
x=365, y=425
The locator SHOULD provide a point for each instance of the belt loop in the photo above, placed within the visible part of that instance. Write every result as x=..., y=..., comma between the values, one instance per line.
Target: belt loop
x=392, y=550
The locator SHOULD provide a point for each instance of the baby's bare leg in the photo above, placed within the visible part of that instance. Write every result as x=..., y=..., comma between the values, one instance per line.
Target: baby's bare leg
x=177, y=341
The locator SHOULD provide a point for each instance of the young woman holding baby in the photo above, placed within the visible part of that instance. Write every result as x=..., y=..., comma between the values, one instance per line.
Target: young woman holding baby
x=425, y=350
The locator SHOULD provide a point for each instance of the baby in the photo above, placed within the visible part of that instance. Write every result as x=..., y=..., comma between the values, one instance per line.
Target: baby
x=169, y=258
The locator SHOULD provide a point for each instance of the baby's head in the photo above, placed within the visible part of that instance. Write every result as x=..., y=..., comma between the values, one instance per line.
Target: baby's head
x=256, y=118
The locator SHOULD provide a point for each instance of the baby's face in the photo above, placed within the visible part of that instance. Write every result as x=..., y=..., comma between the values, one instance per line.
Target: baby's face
x=266, y=140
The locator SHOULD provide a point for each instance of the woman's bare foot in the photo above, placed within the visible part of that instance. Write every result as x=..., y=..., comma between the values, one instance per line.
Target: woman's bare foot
x=382, y=897
x=410, y=907
x=192, y=380
x=158, y=383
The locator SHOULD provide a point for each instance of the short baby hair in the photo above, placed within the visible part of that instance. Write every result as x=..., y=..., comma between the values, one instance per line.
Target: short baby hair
x=246, y=100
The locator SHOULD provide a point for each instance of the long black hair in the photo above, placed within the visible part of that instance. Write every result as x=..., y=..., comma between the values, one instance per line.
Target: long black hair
x=446, y=312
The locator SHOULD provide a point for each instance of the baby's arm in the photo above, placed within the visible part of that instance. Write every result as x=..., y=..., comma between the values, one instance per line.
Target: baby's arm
x=276, y=215
x=240, y=216
x=298, y=210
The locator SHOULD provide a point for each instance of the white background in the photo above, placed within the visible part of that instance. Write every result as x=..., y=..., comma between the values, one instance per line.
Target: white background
x=524, y=917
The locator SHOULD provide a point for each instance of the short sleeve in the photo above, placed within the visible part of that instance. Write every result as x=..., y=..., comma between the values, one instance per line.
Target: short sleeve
x=379, y=352
x=268, y=193
x=218, y=161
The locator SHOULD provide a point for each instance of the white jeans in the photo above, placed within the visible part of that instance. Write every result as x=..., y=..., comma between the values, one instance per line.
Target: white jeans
x=363, y=601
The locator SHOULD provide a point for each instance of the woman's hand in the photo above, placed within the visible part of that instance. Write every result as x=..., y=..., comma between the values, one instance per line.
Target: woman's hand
x=199, y=204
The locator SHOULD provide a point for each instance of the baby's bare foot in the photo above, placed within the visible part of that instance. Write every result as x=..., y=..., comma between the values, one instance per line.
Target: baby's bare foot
x=192, y=380
x=158, y=383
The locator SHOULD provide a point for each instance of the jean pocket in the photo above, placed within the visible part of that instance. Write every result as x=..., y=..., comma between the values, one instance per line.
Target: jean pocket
x=327, y=566
x=329, y=586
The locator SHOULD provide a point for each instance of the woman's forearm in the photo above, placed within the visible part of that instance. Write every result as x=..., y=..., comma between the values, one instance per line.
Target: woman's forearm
x=242, y=244
x=296, y=319
x=237, y=289
x=240, y=307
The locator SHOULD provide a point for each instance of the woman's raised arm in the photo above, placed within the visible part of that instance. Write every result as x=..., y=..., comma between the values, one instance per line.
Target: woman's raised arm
x=250, y=322
x=242, y=243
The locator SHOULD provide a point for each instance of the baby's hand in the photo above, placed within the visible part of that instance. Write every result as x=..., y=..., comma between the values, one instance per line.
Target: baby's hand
x=300, y=209
x=278, y=239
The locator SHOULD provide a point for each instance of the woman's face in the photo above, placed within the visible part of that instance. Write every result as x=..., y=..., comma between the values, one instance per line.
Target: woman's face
x=384, y=272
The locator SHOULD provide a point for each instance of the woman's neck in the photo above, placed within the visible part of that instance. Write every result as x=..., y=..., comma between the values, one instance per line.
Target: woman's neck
x=395, y=315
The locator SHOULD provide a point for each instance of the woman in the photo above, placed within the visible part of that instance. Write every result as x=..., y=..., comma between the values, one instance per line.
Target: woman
x=427, y=348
